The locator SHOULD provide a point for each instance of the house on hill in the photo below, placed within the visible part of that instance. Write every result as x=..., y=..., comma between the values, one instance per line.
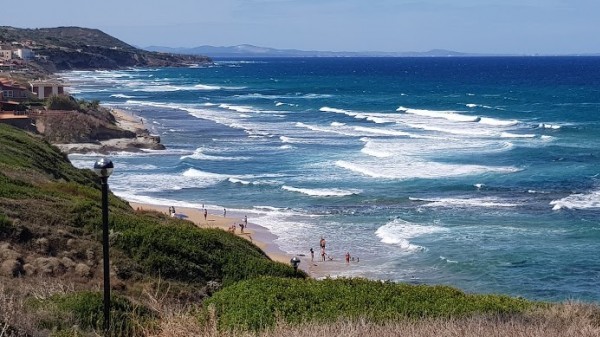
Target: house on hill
x=5, y=54
x=13, y=91
x=45, y=89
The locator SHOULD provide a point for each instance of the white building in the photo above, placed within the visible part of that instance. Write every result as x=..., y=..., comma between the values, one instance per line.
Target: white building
x=24, y=53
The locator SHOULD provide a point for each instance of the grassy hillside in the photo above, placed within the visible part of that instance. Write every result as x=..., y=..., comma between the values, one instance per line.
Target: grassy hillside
x=170, y=278
x=50, y=226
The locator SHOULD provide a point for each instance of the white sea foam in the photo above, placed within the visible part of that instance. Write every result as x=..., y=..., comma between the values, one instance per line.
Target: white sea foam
x=238, y=108
x=413, y=168
x=200, y=155
x=375, y=152
x=321, y=192
x=207, y=87
x=498, y=122
x=338, y=111
x=385, y=132
x=549, y=126
x=337, y=124
x=399, y=233
x=579, y=201
x=466, y=202
x=449, y=115
x=472, y=105
x=516, y=135
x=121, y=96
x=242, y=182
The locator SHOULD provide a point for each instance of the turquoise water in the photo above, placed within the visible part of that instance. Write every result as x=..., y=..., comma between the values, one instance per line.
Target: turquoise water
x=480, y=173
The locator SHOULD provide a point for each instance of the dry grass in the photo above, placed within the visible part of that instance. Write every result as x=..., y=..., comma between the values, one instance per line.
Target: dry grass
x=561, y=320
x=564, y=320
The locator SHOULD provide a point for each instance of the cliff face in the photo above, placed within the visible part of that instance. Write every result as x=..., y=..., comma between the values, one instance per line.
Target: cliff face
x=72, y=48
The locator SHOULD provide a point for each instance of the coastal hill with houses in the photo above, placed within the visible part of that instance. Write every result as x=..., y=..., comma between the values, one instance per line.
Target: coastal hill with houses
x=31, y=98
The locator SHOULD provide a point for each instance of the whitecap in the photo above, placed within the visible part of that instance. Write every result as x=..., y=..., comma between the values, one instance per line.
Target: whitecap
x=321, y=192
x=399, y=233
x=487, y=202
x=516, y=135
x=121, y=96
x=549, y=126
x=449, y=115
x=578, y=201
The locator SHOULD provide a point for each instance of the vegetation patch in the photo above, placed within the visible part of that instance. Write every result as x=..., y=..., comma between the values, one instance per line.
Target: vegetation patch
x=180, y=251
x=257, y=304
x=86, y=310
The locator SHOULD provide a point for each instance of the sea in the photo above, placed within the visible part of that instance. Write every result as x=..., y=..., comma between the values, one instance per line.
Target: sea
x=480, y=173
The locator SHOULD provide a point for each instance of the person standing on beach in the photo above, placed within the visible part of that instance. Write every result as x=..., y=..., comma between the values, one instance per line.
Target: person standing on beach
x=322, y=244
x=224, y=212
x=347, y=257
x=246, y=221
x=312, y=254
x=205, y=214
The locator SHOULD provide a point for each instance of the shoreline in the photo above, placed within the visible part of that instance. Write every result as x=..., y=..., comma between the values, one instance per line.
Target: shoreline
x=255, y=233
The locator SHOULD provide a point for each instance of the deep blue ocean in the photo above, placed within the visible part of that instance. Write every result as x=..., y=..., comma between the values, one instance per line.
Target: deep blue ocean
x=480, y=173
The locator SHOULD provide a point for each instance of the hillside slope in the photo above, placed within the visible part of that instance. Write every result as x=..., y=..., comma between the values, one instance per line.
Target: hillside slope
x=50, y=229
x=71, y=48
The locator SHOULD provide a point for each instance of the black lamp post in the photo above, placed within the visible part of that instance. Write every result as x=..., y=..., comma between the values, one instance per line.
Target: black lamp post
x=295, y=261
x=104, y=168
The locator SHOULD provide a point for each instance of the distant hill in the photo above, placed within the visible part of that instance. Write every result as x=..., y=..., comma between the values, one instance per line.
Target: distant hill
x=70, y=48
x=246, y=50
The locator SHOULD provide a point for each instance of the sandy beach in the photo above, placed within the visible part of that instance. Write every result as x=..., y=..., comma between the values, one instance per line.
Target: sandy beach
x=258, y=235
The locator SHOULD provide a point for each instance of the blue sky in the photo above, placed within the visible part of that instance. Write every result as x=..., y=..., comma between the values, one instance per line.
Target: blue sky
x=479, y=26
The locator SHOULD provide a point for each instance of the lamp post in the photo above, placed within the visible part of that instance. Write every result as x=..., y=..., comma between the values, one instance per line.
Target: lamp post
x=295, y=261
x=103, y=168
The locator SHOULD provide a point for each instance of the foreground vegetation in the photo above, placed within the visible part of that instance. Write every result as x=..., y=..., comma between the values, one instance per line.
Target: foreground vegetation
x=171, y=278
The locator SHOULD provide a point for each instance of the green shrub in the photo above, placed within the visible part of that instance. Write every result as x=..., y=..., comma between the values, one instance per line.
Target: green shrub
x=257, y=303
x=61, y=102
x=86, y=309
x=178, y=250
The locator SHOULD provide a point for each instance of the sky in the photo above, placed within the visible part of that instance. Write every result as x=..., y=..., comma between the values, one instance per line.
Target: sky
x=472, y=26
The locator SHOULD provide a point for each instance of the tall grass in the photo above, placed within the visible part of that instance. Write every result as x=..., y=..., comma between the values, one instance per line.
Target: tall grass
x=561, y=320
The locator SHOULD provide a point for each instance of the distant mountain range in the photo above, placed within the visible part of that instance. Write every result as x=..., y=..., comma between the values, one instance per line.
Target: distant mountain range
x=246, y=50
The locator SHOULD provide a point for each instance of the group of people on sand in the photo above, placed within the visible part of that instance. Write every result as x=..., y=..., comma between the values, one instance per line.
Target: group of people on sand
x=325, y=256
x=172, y=211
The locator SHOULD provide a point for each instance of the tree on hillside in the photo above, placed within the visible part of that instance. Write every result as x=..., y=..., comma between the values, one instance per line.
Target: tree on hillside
x=61, y=102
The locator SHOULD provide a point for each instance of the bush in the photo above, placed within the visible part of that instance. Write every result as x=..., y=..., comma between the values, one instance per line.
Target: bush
x=178, y=250
x=86, y=309
x=61, y=102
x=256, y=304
